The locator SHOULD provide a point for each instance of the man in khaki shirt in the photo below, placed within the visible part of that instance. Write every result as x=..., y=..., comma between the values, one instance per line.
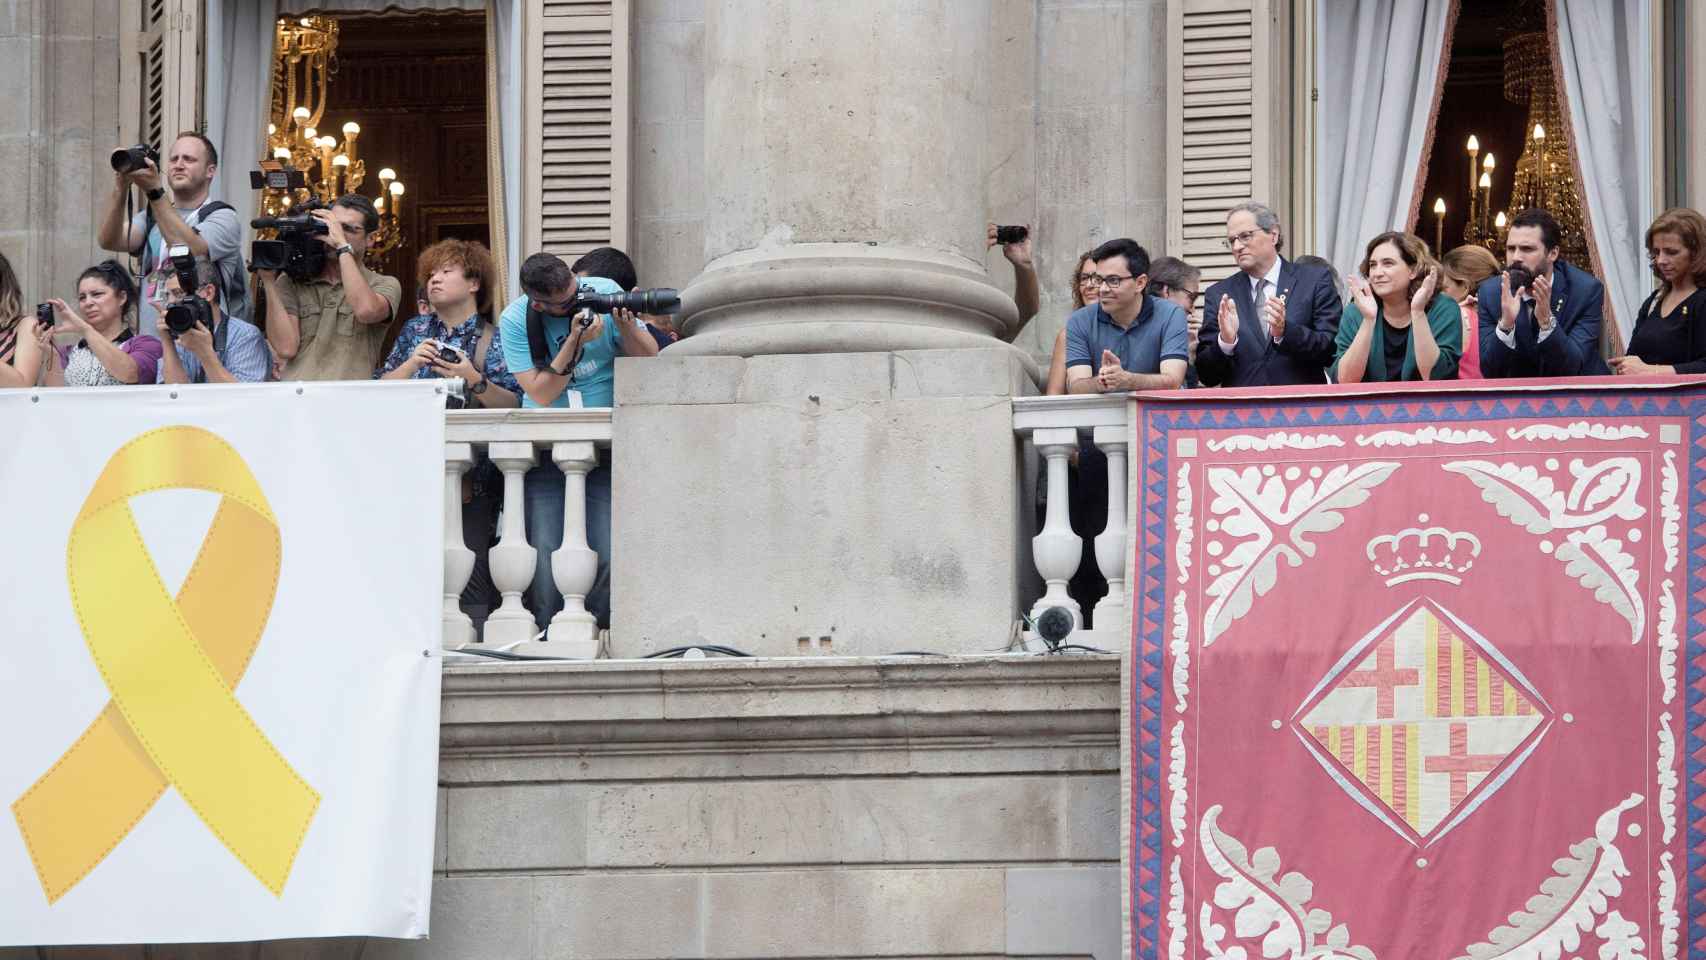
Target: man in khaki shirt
x=333, y=326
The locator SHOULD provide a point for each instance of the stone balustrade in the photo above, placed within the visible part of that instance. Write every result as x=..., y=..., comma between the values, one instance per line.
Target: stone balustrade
x=1056, y=426
x=512, y=439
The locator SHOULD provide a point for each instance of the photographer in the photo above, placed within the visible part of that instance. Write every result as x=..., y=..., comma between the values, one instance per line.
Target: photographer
x=1016, y=247
x=453, y=338
x=220, y=350
x=109, y=352
x=550, y=351
x=176, y=211
x=332, y=326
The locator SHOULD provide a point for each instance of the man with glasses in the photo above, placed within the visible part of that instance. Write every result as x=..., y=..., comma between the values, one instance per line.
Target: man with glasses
x=230, y=351
x=551, y=354
x=1271, y=323
x=332, y=326
x=1128, y=340
x=1173, y=279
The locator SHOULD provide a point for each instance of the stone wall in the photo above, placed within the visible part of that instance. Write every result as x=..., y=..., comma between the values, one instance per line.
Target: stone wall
x=914, y=807
x=59, y=64
x=1075, y=137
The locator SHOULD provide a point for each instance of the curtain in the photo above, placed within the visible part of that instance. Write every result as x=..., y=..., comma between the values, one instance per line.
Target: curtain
x=238, y=84
x=1605, y=66
x=1379, y=69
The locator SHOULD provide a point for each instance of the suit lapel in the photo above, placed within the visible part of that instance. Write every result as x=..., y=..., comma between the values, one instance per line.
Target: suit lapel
x=1246, y=311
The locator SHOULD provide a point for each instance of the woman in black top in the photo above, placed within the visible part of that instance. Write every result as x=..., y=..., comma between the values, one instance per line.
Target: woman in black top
x=1670, y=331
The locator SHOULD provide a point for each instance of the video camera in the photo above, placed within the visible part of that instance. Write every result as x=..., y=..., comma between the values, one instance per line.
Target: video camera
x=297, y=250
x=588, y=302
x=192, y=310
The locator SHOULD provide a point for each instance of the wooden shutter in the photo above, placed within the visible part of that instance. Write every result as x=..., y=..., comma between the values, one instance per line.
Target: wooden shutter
x=162, y=71
x=575, y=141
x=1219, y=117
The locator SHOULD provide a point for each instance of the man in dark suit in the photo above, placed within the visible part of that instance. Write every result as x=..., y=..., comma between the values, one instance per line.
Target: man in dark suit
x=1272, y=322
x=1548, y=327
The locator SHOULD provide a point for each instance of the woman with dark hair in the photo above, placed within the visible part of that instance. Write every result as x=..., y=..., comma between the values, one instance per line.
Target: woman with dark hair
x=110, y=352
x=1669, y=336
x=1461, y=272
x=1083, y=292
x=1397, y=327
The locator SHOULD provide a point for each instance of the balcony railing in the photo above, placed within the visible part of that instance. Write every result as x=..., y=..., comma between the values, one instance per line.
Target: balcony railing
x=1056, y=426
x=513, y=439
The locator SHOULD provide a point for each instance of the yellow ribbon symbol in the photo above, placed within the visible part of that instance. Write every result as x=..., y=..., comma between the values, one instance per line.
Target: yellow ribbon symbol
x=171, y=666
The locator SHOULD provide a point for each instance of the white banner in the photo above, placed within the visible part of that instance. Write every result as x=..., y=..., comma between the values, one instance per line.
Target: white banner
x=220, y=688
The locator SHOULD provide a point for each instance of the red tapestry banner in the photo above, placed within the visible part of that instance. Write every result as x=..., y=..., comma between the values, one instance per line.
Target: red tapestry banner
x=1419, y=674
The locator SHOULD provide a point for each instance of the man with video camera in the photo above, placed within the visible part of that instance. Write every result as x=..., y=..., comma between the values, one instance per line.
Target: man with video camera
x=176, y=212
x=556, y=340
x=207, y=346
x=331, y=326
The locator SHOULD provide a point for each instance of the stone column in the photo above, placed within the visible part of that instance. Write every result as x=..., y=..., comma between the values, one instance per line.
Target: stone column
x=845, y=163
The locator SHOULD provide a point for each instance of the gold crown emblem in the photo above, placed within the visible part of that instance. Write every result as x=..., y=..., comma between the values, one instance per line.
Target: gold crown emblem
x=1424, y=553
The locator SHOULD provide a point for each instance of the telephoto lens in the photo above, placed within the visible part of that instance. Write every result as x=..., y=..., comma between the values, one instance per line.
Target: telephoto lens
x=134, y=158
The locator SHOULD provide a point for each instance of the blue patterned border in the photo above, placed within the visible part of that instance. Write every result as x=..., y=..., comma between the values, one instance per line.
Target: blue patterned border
x=1148, y=619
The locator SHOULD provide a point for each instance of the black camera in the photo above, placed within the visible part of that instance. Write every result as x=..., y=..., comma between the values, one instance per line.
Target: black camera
x=135, y=158
x=1519, y=277
x=447, y=353
x=297, y=251
x=44, y=315
x=661, y=300
x=1006, y=235
x=192, y=310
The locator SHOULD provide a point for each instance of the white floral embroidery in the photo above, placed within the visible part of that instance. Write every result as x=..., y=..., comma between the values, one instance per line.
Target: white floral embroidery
x=1268, y=523
x=1273, y=908
x=1176, y=784
x=1667, y=640
x=1424, y=436
x=1568, y=903
x=1602, y=491
x=1580, y=430
x=1181, y=650
x=1175, y=914
x=1278, y=440
x=1670, y=511
x=1182, y=525
x=1669, y=921
x=1667, y=778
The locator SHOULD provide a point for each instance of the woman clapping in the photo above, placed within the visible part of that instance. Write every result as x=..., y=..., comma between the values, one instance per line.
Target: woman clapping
x=1397, y=326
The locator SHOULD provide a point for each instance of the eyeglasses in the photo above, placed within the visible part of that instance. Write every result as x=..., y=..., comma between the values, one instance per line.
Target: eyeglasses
x=1110, y=282
x=1083, y=278
x=1240, y=239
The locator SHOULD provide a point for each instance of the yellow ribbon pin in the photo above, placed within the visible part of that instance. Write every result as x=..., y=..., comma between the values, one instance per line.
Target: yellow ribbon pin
x=172, y=666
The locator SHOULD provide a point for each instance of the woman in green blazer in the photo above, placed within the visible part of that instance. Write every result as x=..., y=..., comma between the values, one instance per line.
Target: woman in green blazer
x=1379, y=339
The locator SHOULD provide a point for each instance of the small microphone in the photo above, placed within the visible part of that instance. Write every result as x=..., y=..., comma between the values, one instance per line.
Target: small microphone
x=1054, y=626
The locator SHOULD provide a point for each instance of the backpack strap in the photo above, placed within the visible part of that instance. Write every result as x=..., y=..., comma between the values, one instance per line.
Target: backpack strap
x=481, y=346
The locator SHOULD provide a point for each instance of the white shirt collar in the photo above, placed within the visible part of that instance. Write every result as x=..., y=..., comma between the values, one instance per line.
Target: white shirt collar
x=1272, y=277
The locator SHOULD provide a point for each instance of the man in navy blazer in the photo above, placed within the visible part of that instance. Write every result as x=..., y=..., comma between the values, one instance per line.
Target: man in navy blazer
x=1549, y=328
x=1272, y=322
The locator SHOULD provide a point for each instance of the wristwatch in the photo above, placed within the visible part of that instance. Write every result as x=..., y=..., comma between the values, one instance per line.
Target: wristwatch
x=480, y=387
x=344, y=248
x=156, y=194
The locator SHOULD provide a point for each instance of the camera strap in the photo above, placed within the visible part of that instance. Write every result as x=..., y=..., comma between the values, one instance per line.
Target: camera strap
x=201, y=214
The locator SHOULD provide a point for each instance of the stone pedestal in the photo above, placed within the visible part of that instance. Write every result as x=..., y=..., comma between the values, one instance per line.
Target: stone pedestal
x=831, y=504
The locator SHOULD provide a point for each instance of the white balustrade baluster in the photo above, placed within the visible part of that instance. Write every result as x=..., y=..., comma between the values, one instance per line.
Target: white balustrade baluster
x=574, y=631
x=512, y=558
x=458, y=559
x=1056, y=550
x=1111, y=542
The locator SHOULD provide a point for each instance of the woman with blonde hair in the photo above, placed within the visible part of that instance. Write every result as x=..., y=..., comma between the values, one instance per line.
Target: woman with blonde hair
x=1397, y=326
x=1461, y=273
x=1669, y=336
x=1084, y=292
x=17, y=330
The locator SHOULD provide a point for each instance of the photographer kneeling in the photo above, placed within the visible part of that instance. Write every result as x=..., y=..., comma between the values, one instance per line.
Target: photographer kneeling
x=207, y=346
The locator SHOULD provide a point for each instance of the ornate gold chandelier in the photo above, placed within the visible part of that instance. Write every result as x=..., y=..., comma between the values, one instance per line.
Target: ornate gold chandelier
x=1545, y=173
x=304, y=60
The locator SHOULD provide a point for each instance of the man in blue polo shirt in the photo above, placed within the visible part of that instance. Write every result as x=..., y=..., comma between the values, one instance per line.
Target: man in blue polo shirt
x=552, y=353
x=1128, y=340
